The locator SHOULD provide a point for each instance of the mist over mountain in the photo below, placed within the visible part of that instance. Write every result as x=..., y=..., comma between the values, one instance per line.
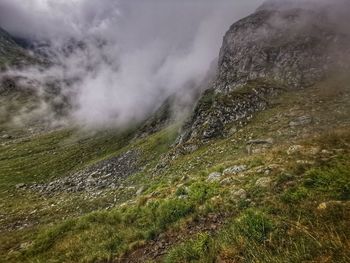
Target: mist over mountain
x=174, y=131
x=122, y=58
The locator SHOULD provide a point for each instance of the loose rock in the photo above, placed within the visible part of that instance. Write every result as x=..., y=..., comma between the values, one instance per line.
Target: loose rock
x=261, y=141
x=234, y=170
x=263, y=182
x=109, y=174
x=19, y=186
x=140, y=191
x=294, y=149
x=240, y=194
x=213, y=177
x=301, y=121
x=226, y=181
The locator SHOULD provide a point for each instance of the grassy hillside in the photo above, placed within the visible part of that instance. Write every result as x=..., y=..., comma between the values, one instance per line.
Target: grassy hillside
x=285, y=198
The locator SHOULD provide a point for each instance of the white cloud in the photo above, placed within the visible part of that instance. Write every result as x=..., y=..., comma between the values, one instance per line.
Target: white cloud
x=151, y=48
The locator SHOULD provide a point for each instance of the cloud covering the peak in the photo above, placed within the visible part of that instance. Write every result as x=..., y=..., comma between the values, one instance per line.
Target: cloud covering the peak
x=125, y=57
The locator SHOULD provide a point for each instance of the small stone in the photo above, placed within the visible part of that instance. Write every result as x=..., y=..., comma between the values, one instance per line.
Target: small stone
x=140, y=191
x=233, y=130
x=314, y=150
x=213, y=226
x=184, y=178
x=19, y=186
x=322, y=206
x=302, y=120
x=260, y=169
x=216, y=199
x=249, y=149
x=213, y=177
x=306, y=162
x=263, y=182
x=294, y=149
x=258, y=150
x=24, y=245
x=267, y=172
x=7, y=137
x=240, y=194
x=235, y=170
x=226, y=181
x=261, y=141
x=326, y=152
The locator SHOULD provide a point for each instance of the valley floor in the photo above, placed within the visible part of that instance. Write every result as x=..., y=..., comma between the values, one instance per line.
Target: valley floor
x=277, y=190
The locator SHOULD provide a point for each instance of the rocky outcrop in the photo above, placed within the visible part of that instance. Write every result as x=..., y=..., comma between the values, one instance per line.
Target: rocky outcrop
x=220, y=114
x=107, y=174
x=272, y=50
x=296, y=47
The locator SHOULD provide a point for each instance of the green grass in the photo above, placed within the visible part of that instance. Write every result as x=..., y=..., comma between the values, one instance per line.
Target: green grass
x=73, y=151
x=295, y=195
x=280, y=223
x=276, y=230
x=48, y=156
x=199, y=249
x=252, y=226
x=334, y=179
x=106, y=235
x=286, y=229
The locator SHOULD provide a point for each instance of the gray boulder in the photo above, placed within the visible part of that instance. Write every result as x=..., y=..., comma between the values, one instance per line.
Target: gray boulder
x=239, y=194
x=214, y=177
x=301, y=121
x=263, y=182
x=234, y=170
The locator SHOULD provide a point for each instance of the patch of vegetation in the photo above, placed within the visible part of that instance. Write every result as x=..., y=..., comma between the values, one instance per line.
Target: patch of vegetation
x=295, y=195
x=199, y=192
x=199, y=249
x=252, y=227
x=206, y=100
x=290, y=228
x=334, y=179
x=258, y=236
x=52, y=155
x=107, y=235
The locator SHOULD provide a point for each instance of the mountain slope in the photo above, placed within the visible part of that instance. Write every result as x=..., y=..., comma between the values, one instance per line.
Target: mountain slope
x=259, y=173
x=283, y=172
x=263, y=54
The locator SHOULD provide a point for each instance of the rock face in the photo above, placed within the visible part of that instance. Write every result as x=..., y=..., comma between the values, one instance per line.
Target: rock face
x=218, y=114
x=272, y=50
x=294, y=46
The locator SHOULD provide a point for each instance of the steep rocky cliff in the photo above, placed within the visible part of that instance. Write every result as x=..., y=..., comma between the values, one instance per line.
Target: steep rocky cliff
x=278, y=47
